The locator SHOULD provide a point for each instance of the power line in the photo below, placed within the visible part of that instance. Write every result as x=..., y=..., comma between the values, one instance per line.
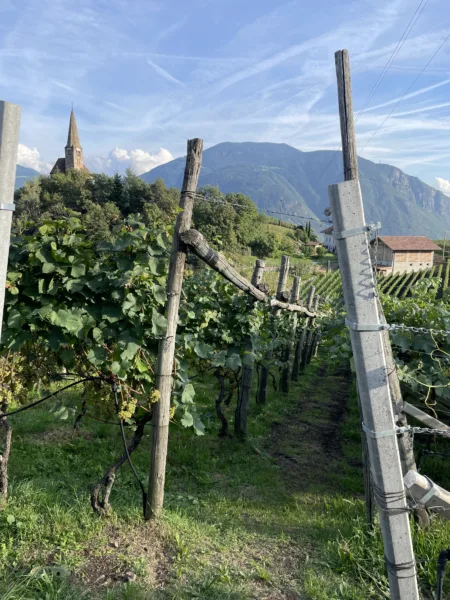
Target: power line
x=394, y=55
x=273, y=212
x=386, y=68
x=409, y=88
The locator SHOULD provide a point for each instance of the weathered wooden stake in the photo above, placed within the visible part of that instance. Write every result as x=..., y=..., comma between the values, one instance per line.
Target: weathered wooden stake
x=301, y=341
x=360, y=295
x=405, y=443
x=308, y=337
x=311, y=334
x=160, y=421
x=200, y=247
x=245, y=386
x=264, y=374
x=258, y=272
x=286, y=373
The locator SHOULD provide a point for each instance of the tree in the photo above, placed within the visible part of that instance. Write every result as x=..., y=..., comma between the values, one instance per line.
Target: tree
x=300, y=234
x=231, y=220
x=100, y=220
x=28, y=202
x=263, y=246
x=136, y=192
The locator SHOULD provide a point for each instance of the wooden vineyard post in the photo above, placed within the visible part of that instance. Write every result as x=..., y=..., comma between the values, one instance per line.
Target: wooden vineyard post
x=307, y=336
x=282, y=280
x=405, y=443
x=160, y=421
x=363, y=319
x=285, y=375
x=245, y=387
x=258, y=272
x=309, y=348
x=301, y=341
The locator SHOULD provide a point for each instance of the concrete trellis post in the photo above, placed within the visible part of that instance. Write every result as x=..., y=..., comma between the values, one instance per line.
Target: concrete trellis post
x=366, y=333
x=9, y=142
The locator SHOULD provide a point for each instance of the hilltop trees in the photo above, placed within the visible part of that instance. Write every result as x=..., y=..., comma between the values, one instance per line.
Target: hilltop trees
x=230, y=222
x=99, y=201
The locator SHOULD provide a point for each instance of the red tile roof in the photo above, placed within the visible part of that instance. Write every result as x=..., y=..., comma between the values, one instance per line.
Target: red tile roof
x=408, y=242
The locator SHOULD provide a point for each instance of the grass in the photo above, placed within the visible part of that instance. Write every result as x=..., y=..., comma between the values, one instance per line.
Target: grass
x=280, y=516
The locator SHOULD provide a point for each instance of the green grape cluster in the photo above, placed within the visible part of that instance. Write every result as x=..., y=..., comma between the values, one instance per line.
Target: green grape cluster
x=127, y=409
x=11, y=382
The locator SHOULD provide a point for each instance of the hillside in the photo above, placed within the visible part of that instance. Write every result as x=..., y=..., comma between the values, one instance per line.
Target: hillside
x=23, y=174
x=270, y=172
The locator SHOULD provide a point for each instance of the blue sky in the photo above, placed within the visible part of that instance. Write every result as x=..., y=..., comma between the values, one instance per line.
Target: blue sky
x=145, y=75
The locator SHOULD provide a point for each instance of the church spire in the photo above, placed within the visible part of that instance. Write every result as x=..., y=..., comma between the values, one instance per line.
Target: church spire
x=73, y=152
x=73, y=139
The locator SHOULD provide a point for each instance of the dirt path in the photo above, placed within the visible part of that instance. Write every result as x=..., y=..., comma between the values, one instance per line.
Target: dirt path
x=306, y=445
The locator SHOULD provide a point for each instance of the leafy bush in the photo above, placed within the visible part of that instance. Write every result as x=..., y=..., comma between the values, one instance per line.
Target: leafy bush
x=263, y=246
x=92, y=310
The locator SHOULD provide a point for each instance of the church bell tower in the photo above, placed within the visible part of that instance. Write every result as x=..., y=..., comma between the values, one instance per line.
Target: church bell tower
x=74, y=151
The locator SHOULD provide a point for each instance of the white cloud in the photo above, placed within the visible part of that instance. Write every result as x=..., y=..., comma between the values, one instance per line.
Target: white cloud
x=443, y=185
x=31, y=158
x=120, y=159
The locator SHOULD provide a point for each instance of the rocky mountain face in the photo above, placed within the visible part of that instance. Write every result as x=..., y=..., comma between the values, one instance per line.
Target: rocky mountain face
x=281, y=178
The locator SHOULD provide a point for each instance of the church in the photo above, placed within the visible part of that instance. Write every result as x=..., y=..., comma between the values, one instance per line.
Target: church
x=73, y=152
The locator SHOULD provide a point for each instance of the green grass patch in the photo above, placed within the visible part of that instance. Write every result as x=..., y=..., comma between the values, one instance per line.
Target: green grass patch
x=278, y=516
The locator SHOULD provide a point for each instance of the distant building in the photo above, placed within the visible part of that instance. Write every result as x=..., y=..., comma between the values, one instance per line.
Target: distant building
x=403, y=253
x=73, y=152
x=313, y=246
x=329, y=239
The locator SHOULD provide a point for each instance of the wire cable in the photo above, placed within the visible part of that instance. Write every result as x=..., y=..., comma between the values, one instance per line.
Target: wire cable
x=386, y=68
x=273, y=212
x=409, y=88
x=125, y=446
x=394, y=55
x=52, y=395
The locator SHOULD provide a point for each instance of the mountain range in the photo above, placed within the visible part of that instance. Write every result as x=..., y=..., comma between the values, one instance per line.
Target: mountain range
x=280, y=178
x=23, y=174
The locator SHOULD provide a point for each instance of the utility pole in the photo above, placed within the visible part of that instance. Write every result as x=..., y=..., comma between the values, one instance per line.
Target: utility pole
x=9, y=142
x=166, y=349
x=445, y=243
x=366, y=333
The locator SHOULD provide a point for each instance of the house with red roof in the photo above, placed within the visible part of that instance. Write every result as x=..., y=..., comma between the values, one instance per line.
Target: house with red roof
x=403, y=253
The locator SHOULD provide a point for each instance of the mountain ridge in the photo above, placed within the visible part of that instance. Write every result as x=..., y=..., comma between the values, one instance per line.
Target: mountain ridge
x=281, y=178
x=24, y=174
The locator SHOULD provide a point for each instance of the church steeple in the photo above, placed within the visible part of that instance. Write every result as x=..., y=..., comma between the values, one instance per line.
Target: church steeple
x=73, y=152
x=73, y=139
